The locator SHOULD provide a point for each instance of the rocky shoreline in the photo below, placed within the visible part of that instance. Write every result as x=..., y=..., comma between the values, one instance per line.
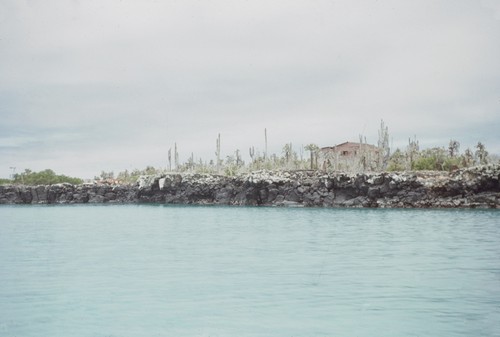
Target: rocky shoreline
x=477, y=187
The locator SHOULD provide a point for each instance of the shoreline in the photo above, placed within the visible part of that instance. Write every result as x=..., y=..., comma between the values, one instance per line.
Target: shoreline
x=476, y=187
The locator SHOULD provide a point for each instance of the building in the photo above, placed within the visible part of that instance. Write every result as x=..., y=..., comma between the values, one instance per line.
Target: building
x=348, y=156
x=350, y=149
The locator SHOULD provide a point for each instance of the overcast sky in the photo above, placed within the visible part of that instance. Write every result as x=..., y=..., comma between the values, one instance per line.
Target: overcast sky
x=87, y=86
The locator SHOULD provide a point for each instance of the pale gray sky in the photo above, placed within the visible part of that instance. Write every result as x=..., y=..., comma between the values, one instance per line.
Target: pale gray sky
x=109, y=85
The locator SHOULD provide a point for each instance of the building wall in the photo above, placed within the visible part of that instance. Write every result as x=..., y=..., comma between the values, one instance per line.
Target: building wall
x=350, y=157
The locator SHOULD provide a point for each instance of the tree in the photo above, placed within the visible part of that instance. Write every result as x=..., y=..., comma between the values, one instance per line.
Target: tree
x=287, y=153
x=453, y=148
x=107, y=175
x=467, y=158
x=481, y=154
x=123, y=176
x=149, y=170
x=313, y=150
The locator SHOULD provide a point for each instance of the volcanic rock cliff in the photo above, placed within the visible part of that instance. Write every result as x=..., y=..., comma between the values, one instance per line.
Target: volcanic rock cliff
x=476, y=187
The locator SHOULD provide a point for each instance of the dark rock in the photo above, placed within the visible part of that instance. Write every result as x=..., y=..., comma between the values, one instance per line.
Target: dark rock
x=39, y=194
x=272, y=194
x=373, y=192
x=222, y=196
x=474, y=187
x=96, y=199
x=287, y=203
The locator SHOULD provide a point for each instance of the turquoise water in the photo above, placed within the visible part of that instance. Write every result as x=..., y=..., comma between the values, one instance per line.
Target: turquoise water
x=110, y=271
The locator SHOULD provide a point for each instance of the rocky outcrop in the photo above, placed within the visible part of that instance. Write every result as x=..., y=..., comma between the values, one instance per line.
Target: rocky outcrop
x=477, y=187
x=67, y=194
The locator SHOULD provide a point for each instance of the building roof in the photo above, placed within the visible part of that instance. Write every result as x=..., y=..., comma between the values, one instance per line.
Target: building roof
x=348, y=144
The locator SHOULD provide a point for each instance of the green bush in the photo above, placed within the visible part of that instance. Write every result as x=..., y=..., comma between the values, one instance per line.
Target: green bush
x=5, y=181
x=45, y=177
x=426, y=164
x=452, y=164
x=397, y=161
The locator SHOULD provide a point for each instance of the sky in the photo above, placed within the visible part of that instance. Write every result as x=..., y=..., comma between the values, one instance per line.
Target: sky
x=108, y=85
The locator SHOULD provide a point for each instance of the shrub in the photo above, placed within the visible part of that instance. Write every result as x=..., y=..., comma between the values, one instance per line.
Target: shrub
x=45, y=177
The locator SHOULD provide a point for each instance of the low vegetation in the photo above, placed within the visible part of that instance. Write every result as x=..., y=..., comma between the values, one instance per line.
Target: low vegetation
x=310, y=158
x=292, y=158
x=45, y=177
x=5, y=181
x=438, y=158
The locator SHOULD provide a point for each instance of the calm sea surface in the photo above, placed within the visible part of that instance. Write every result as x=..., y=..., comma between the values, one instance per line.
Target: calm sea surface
x=113, y=271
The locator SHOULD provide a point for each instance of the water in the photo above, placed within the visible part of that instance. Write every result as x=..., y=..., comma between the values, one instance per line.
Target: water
x=110, y=271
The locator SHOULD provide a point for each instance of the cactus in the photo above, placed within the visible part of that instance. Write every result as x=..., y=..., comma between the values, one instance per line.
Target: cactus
x=251, y=152
x=412, y=152
x=265, y=140
x=170, y=159
x=217, y=152
x=383, y=146
x=176, y=157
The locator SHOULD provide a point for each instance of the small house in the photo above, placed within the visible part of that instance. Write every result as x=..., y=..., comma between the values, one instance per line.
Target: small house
x=348, y=156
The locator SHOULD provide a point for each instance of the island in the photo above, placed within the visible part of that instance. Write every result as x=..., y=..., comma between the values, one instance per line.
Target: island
x=474, y=187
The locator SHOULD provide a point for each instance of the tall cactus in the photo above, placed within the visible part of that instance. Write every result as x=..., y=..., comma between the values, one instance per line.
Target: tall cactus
x=265, y=140
x=412, y=152
x=217, y=152
x=251, y=152
x=383, y=146
x=176, y=157
x=170, y=159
